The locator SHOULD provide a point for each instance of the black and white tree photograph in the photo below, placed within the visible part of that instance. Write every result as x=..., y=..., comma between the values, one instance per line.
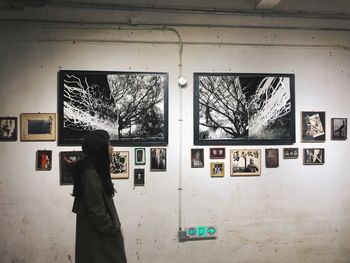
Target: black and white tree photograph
x=243, y=109
x=131, y=106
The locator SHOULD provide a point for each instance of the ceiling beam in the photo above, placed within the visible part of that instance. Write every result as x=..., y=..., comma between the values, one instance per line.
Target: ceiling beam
x=266, y=4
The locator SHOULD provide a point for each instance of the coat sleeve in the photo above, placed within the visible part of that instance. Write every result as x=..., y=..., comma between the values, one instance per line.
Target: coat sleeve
x=95, y=207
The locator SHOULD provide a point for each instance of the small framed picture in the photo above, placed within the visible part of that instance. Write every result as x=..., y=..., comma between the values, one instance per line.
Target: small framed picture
x=140, y=156
x=339, y=129
x=67, y=161
x=313, y=126
x=290, y=153
x=313, y=156
x=271, y=158
x=8, y=128
x=120, y=165
x=245, y=162
x=38, y=126
x=217, y=169
x=158, y=159
x=197, y=158
x=43, y=160
x=217, y=153
x=139, y=177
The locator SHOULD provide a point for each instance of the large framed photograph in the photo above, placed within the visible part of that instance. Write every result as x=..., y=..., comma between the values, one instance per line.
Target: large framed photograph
x=38, y=126
x=290, y=153
x=244, y=109
x=271, y=158
x=8, y=128
x=67, y=161
x=131, y=106
x=313, y=126
x=197, y=158
x=245, y=162
x=314, y=156
x=158, y=159
x=140, y=156
x=119, y=166
x=339, y=129
x=43, y=160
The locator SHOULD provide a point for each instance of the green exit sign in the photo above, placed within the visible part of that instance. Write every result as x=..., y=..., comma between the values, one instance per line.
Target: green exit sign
x=199, y=232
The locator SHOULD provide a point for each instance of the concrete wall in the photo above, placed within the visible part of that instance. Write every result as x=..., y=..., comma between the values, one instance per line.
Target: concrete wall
x=294, y=213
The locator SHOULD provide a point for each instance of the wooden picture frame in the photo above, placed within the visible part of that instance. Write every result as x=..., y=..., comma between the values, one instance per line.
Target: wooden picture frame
x=43, y=160
x=140, y=156
x=314, y=156
x=8, y=129
x=339, y=129
x=217, y=169
x=245, y=162
x=38, y=126
x=119, y=166
x=313, y=126
x=271, y=158
x=217, y=153
x=158, y=160
x=290, y=153
x=197, y=158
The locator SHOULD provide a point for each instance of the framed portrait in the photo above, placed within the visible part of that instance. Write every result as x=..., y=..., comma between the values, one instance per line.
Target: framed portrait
x=290, y=153
x=67, y=161
x=271, y=158
x=139, y=177
x=119, y=166
x=43, y=160
x=313, y=126
x=217, y=169
x=38, y=126
x=8, y=128
x=339, y=129
x=217, y=153
x=158, y=159
x=314, y=156
x=245, y=162
x=131, y=106
x=243, y=109
x=197, y=158
x=140, y=156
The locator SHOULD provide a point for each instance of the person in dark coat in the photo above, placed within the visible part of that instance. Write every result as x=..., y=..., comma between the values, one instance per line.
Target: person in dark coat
x=98, y=231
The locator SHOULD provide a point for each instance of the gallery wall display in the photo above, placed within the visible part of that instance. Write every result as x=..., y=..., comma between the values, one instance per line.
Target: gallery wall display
x=139, y=177
x=290, y=153
x=8, y=128
x=243, y=109
x=271, y=158
x=217, y=153
x=197, y=158
x=67, y=160
x=158, y=159
x=313, y=126
x=339, y=129
x=140, y=156
x=217, y=169
x=43, y=160
x=38, y=126
x=119, y=165
x=245, y=162
x=314, y=156
x=131, y=106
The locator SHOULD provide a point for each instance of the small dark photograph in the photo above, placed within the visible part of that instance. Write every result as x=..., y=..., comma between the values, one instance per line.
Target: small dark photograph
x=217, y=153
x=197, y=158
x=67, y=166
x=158, y=159
x=290, y=153
x=40, y=126
x=8, y=129
x=314, y=156
x=271, y=158
x=140, y=156
x=139, y=177
x=43, y=160
x=339, y=128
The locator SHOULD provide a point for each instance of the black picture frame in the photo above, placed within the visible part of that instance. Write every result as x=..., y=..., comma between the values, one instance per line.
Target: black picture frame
x=271, y=158
x=158, y=160
x=290, y=153
x=232, y=109
x=313, y=156
x=339, y=129
x=217, y=153
x=313, y=126
x=43, y=160
x=131, y=106
x=139, y=177
x=197, y=158
x=8, y=128
x=67, y=161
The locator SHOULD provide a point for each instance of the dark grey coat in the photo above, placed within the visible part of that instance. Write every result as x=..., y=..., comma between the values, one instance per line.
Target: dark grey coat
x=98, y=234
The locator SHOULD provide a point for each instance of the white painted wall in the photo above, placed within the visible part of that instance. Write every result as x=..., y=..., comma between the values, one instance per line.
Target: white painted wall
x=294, y=213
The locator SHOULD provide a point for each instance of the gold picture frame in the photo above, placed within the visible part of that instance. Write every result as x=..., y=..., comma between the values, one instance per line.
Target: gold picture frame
x=38, y=126
x=217, y=169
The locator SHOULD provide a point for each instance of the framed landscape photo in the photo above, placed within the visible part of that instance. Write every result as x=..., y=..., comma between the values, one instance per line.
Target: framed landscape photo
x=158, y=159
x=217, y=169
x=140, y=156
x=244, y=109
x=38, y=126
x=131, y=106
x=217, y=153
x=339, y=129
x=313, y=126
x=119, y=166
x=245, y=162
x=290, y=153
x=8, y=128
x=67, y=161
x=139, y=177
x=314, y=156
x=271, y=158
x=43, y=160
x=197, y=158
